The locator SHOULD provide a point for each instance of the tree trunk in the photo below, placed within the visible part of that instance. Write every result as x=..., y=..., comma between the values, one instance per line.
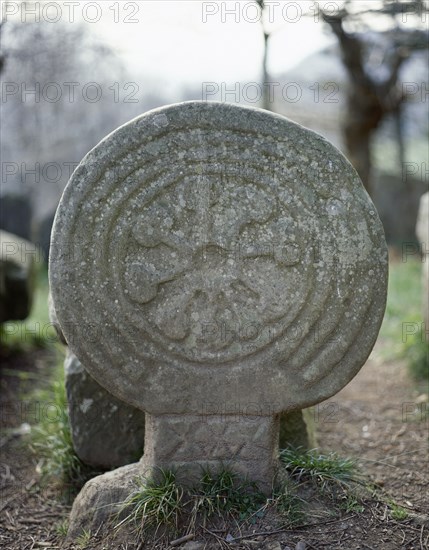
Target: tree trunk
x=266, y=103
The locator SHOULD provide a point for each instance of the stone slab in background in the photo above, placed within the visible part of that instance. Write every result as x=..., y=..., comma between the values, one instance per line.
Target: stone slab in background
x=297, y=430
x=18, y=260
x=422, y=231
x=16, y=215
x=106, y=432
x=397, y=202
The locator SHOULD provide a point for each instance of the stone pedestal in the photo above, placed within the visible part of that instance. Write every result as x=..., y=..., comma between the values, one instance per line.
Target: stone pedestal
x=189, y=444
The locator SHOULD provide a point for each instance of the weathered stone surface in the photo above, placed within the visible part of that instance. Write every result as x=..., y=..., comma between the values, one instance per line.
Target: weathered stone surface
x=94, y=433
x=106, y=432
x=187, y=443
x=422, y=231
x=223, y=245
x=54, y=320
x=17, y=276
x=100, y=498
x=213, y=261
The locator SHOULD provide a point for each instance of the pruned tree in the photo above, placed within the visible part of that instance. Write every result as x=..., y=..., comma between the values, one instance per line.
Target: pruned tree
x=265, y=75
x=372, y=95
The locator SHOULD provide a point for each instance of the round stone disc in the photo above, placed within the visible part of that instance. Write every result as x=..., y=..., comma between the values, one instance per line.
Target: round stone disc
x=206, y=253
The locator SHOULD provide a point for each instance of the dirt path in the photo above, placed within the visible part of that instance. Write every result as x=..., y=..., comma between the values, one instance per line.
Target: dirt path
x=380, y=418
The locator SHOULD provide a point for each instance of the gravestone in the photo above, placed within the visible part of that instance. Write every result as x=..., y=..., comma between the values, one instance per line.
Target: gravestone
x=422, y=231
x=16, y=214
x=214, y=266
x=18, y=266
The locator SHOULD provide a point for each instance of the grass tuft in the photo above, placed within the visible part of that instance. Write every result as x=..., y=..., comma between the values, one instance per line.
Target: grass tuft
x=161, y=501
x=83, y=540
x=155, y=502
x=324, y=470
x=225, y=493
x=397, y=512
x=62, y=528
x=289, y=504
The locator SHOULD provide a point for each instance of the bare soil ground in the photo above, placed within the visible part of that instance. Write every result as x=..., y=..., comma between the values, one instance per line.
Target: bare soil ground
x=379, y=418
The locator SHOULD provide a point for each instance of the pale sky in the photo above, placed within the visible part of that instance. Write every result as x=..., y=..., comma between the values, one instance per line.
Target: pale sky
x=190, y=41
x=186, y=42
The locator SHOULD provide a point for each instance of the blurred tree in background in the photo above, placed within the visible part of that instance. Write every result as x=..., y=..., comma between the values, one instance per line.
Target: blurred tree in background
x=48, y=115
x=375, y=41
x=51, y=115
x=373, y=60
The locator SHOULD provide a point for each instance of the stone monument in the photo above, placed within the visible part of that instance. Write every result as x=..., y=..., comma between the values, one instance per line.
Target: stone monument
x=214, y=266
x=422, y=231
x=18, y=266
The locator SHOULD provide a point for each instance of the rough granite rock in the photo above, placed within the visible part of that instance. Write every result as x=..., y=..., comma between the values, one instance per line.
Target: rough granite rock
x=216, y=266
x=100, y=499
x=297, y=429
x=106, y=432
x=17, y=276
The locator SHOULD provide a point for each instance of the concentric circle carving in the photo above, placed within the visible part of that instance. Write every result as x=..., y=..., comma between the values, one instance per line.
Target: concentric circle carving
x=226, y=249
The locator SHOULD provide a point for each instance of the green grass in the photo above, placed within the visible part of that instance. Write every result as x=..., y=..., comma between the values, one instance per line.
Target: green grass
x=62, y=527
x=163, y=502
x=324, y=470
x=289, y=505
x=330, y=476
x=83, y=540
x=226, y=493
x=51, y=437
x=154, y=503
x=351, y=505
x=397, y=512
x=401, y=330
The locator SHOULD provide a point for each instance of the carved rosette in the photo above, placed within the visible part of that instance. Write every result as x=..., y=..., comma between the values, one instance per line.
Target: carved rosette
x=221, y=248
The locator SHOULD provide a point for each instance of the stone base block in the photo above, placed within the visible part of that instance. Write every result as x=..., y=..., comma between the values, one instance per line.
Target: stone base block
x=187, y=444
x=245, y=445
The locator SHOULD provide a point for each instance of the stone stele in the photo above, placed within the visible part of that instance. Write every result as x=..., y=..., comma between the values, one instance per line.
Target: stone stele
x=215, y=266
x=422, y=231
